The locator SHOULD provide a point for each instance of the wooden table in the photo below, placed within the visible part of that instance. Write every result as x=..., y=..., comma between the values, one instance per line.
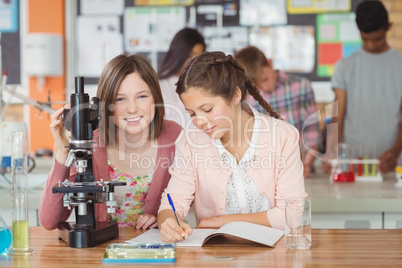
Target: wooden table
x=329, y=248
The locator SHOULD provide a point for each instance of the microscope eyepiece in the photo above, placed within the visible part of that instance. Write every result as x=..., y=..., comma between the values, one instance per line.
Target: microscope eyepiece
x=79, y=85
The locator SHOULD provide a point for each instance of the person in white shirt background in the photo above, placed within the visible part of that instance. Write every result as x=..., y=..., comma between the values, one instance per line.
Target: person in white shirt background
x=186, y=44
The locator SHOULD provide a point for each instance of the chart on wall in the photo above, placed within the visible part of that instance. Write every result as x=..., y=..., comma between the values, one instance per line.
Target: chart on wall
x=217, y=12
x=164, y=2
x=337, y=37
x=317, y=6
x=10, y=41
x=291, y=48
x=263, y=12
x=99, y=40
x=8, y=16
x=227, y=40
x=150, y=29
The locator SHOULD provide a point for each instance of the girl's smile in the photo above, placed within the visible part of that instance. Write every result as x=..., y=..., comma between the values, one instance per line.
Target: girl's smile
x=134, y=106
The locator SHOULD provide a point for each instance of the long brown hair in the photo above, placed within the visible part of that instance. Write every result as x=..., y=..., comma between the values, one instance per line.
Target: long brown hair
x=220, y=75
x=112, y=75
x=179, y=51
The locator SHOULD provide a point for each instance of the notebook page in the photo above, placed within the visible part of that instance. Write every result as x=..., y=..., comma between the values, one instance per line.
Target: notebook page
x=253, y=232
x=153, y=236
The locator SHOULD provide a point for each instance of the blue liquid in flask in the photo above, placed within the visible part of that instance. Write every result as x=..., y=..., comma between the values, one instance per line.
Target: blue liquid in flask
x=5, y=239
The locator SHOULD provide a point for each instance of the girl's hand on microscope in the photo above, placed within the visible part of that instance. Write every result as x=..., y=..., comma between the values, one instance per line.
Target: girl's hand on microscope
x=146, y=221
x=59, y=136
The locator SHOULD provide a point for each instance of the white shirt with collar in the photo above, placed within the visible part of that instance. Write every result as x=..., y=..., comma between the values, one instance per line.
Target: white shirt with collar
x=243, y=195
x=200, y=177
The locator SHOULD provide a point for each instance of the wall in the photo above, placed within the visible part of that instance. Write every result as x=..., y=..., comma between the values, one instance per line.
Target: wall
x=52, y=20
x=394, y=8
x=45, y=16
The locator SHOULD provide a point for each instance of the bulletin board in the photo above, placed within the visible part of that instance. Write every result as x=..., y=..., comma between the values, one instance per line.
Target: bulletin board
x=235, y=32
x=337, y=37
x=322, y=72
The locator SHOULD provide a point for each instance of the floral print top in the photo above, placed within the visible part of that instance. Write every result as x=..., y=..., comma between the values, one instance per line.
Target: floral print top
x=130, y=198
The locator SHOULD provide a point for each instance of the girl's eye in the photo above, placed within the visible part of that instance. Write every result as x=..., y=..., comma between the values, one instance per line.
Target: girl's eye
x=191, y=115
x=119, y=99
x=207, y=111
x=142, y=96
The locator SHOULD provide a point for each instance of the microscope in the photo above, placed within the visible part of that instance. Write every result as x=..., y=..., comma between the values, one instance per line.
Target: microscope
x=82, y=119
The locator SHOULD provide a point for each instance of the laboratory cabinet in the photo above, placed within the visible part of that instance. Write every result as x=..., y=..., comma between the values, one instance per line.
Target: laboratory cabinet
x=350, y=220
x=355, y=205
x=393, y=220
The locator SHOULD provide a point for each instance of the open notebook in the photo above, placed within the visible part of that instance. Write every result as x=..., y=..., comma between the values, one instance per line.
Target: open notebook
x=257, y=233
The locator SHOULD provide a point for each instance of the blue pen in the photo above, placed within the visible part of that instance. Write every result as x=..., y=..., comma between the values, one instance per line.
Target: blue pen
x=174, y=210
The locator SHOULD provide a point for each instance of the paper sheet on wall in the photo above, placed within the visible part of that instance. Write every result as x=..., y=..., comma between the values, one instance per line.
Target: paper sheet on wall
x=317, y=6
x=263, y=12
x=151, y=29
x=9, y=16
x=292, y=48
x=110, y=7
x=164, y=2
x=227, y=39
x=99, y=40
x=337, y=37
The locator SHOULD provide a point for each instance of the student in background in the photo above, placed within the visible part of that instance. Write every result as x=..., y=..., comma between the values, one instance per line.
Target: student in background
x=186, y=44
x=239, y=165
x=289, y=95
x=368, y=89
x=133, y=144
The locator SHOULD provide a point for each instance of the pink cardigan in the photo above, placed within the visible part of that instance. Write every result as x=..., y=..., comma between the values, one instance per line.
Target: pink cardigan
x=200, y=177
x=51, y=210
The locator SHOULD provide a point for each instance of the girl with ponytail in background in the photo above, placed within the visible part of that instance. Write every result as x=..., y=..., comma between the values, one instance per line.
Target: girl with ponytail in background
x=239, y=165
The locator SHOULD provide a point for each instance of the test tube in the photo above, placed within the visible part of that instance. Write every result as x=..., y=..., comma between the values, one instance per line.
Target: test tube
x=19, y=177
x=374, y=165
x=366, y=166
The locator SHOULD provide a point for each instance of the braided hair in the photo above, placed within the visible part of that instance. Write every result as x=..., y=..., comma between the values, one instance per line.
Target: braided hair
x=220, y=75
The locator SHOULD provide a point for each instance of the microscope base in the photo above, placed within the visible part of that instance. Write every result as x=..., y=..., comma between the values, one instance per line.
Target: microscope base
x=81, y=238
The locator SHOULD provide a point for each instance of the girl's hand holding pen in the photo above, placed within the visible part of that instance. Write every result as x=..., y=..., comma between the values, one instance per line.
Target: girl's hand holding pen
x=171, y=232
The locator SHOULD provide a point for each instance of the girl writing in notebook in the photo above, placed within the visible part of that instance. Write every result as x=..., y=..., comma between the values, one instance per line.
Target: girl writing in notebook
x=133, y=144
x=239, y=165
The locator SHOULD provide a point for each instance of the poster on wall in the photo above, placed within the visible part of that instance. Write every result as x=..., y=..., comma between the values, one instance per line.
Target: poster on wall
x=217, y=12
x=150, y=29
x=164, y=2
x=263, y=12
x=228, y=39
x=99, y=40
x=337, y=37
x=317, y=6
x=291, y=48
x=8, y=16
x=110, y=7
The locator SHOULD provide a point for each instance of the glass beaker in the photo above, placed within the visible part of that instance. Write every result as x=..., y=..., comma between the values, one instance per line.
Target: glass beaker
x=298, y=223
x=19, y=177
x=5, y=236
x=344, y=170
